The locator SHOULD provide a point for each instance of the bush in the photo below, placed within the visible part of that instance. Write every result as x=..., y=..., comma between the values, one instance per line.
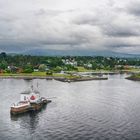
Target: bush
x=42, y=67
x=7, y=71
x=27, y=70
x=57, y=69
x=49, y=73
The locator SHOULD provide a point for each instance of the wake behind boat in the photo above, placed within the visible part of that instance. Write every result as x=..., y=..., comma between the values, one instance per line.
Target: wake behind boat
x=30, y=100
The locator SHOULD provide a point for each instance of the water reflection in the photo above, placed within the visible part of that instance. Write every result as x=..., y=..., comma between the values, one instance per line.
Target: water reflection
x=28, y=121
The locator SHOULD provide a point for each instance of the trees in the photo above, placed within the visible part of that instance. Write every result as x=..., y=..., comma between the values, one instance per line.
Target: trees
x=28, y=68
x=57, y=69
x=49, y=72
x=42, y=67
x=3, y=55
x=3, y=65
x=28, y=62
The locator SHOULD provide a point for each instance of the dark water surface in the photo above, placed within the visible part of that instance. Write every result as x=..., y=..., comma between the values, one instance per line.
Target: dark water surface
x=92, y=110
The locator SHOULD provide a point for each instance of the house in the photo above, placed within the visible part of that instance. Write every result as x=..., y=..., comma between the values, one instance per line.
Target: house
x=14, y=69
x=71, y=62
x=89, y=65
x=36, y=70
x=1, y=71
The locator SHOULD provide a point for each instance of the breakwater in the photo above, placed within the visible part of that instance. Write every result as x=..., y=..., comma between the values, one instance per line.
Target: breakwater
x=62, y=79
x=81, y=79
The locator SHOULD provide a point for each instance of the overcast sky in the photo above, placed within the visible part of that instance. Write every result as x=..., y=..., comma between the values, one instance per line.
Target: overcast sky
x=110, y=25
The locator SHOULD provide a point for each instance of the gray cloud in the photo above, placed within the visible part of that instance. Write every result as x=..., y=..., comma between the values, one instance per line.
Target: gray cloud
x=134, y=8
x=64, y=25
x=122, y=30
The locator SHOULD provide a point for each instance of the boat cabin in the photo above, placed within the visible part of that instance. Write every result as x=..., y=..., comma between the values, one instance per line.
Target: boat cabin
x=30, y=95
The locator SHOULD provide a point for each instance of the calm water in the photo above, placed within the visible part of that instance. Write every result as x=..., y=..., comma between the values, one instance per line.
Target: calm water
x=92, y=110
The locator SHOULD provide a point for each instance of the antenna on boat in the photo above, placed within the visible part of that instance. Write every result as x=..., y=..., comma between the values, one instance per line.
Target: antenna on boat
x=37, y=84
x=32, y=87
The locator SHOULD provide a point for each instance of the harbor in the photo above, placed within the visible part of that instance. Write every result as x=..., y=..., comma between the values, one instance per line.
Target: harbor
x=97, y=108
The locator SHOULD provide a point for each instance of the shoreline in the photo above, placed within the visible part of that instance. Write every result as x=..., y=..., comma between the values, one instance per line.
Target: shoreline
x=62, y=79
x=26, y=77
x=133, y=78
x=69, y=77
x=81, y=79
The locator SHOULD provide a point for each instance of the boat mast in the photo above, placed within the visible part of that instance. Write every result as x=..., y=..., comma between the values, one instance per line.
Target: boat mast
x=32, y=87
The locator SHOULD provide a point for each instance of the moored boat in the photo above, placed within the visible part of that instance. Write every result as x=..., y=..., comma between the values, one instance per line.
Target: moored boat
x=29, y=101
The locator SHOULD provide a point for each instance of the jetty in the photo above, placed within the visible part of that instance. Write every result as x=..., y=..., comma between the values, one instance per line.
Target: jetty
x=81, y=79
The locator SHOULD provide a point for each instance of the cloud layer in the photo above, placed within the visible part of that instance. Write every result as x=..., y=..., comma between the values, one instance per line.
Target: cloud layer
x=110, y=25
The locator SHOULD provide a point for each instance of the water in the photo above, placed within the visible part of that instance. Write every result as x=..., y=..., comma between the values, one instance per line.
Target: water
x=91, y=110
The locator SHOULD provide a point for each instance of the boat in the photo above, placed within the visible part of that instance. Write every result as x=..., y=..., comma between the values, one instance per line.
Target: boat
x=30, y=100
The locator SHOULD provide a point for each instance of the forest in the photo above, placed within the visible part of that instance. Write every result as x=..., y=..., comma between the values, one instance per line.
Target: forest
x=29, y=64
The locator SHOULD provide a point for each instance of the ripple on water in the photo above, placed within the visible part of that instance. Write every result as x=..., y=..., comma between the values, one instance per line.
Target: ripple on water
x=95, y=110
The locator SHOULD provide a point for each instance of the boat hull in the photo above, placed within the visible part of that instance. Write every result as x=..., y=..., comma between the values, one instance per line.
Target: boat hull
x=32, y=107
x=19, y=110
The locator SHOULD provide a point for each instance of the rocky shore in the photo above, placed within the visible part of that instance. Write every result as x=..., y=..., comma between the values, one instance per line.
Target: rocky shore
x=133, y=78
x=81, y=79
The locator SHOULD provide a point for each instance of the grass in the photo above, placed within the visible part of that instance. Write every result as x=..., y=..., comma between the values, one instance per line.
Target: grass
x=80, y=69
x=39, y=74
x=24, y=74
x=136, y=76
x=132, y=70
x=32, y=74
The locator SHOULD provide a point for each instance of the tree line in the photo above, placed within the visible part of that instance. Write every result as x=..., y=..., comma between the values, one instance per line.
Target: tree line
x=29, y=63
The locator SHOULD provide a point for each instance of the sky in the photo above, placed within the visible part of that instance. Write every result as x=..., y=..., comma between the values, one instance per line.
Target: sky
x=93, y=25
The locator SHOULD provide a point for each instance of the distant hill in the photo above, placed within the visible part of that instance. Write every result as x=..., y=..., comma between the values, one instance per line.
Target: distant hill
x=38, y=52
